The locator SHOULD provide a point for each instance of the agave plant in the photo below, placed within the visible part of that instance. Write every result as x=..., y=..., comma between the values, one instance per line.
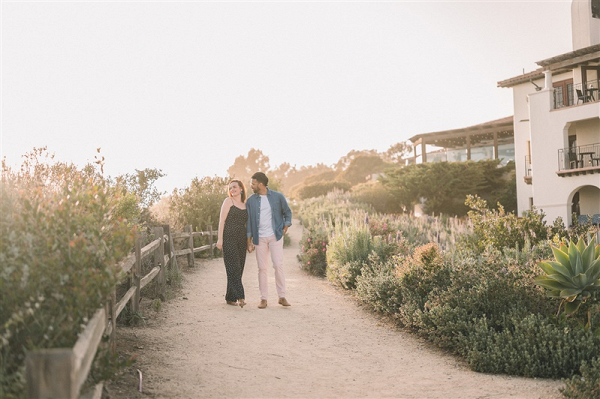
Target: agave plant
x=575, y=274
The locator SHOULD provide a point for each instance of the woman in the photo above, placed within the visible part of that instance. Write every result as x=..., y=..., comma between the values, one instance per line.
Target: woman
x=233, y=242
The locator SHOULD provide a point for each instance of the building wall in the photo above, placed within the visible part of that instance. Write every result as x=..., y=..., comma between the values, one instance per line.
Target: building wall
x=585, y=29
x=588, y=203
x=549, y=133
x=522, y=137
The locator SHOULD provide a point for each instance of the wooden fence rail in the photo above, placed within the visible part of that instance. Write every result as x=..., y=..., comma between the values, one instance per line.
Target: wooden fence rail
x=61, y=372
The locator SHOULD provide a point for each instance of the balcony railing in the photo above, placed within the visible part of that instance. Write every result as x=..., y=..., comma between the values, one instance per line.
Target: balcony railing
x=576, y=94
x=527, y=165
x=581, y=157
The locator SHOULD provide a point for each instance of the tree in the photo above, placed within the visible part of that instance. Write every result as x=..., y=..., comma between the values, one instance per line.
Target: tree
x=200, y=203
x=244, y=167
x=398, y=151
x=361, y=167
x=141, y=184
x=445, y=185
x=345, y=161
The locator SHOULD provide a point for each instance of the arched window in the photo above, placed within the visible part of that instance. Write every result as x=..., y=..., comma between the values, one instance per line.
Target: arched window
x=595, y=8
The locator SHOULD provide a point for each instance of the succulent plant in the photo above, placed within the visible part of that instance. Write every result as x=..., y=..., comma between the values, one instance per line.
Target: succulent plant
x=574, y=275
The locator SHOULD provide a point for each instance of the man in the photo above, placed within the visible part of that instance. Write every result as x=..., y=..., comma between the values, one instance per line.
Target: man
x=269, y=217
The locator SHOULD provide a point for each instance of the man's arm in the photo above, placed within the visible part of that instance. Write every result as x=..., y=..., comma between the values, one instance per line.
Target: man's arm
x=250, y=244
x=287, y=214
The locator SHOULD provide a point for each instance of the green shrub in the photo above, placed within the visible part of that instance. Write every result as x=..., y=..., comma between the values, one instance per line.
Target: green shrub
x=313, y=253
x=376, y=195
x=532, y=346
x=420, y=276
x=61, y=240
x=585, y=385
x=500, y=229
x=379, y=287
x=322, y=188
x=200, y=203
x=348, y=249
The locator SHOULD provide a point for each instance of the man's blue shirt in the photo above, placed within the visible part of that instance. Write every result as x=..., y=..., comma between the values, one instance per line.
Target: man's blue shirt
x=280, y=211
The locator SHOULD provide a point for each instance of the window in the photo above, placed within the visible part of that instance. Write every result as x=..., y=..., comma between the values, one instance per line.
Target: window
x=595, y=9
x=563, y=93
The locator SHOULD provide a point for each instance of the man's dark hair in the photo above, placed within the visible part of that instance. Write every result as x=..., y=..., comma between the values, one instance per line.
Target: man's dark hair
x=261, y=178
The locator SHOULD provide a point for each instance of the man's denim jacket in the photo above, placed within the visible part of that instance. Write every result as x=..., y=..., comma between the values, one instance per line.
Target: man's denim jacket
x=280, y=211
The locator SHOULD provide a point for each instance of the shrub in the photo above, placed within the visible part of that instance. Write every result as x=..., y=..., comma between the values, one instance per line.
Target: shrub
x=532, y=346
x=200, y=203
x=420, y=276
x=376, y=195
x=322, y=188
x=504, y=230
x=348, y=248
x=61, y=240
x=313, y=253
x=379, y=287
x=586, y=385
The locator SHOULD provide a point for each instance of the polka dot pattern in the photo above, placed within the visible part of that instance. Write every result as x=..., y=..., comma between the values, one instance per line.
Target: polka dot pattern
x=234, y=251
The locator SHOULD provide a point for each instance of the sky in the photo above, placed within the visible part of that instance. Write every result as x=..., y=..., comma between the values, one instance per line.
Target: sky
x=187, y=86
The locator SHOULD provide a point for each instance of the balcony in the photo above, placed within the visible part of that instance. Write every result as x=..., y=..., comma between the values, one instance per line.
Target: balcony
x=579, y=160
x=527, y=177
x=576, y=94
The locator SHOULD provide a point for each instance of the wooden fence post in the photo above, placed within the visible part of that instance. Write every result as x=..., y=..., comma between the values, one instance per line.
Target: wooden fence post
x=210, y=241
x=190, y=246
x=171, y=249
x=51, y=374
x=113, y=320
x=136, y=276
x=159, y=260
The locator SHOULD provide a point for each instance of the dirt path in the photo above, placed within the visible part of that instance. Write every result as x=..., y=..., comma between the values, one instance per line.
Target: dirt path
x=324, y=345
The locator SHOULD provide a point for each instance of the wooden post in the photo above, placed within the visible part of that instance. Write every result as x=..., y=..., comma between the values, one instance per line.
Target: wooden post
x=172, y=249
x=50, y=374
x=159, y=259
x=167, y=246
x=210, y=241
x=136, y=273
x=190, y=246
x=113, y=320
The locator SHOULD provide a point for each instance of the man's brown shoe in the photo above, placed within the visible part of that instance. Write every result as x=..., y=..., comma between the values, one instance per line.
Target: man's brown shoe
x=262, y=304
x=284, y=302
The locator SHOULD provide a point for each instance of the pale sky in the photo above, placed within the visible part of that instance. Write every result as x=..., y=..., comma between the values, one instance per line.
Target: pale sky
x=186, y=87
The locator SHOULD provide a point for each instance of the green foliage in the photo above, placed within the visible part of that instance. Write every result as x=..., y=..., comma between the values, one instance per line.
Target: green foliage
x=574, y=275
x=420, y=276
x=244, y=167
x=61, y=240
x=322, y=188
x=379, y=287
x=500, y=229
x=200, y=203
x=362, y=167
x=313, y=253
x=444, y=185
x=534, y=345
x=348, y=249
x=585, y=385
x=377, y=196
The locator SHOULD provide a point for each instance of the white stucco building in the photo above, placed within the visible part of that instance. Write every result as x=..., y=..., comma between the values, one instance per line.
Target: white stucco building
x=557, y=125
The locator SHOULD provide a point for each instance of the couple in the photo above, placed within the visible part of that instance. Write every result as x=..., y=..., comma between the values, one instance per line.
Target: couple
x=257, y=224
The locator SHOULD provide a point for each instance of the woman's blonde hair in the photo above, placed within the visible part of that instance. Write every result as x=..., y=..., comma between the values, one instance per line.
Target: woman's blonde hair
x=242, y=187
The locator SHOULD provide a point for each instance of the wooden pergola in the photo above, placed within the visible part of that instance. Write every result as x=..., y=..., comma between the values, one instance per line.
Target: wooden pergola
x=500, y=131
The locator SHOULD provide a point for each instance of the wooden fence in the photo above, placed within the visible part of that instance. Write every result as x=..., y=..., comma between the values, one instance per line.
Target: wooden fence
x=61, y=372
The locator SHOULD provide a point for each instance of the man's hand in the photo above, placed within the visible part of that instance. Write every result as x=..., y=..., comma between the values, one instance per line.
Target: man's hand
x=285, y=228
x=250, y=247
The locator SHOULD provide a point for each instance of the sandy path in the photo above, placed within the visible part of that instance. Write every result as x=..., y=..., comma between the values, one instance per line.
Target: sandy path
x=324, y=345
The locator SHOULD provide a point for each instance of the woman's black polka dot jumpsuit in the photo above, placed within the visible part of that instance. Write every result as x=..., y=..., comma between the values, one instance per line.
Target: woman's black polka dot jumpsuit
x=234, y=251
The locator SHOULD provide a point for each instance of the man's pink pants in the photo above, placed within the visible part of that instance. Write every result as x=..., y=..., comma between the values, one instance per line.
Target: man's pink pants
x=266, y=245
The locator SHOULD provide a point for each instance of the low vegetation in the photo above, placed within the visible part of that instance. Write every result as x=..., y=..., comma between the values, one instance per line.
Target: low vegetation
x=476, y=287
